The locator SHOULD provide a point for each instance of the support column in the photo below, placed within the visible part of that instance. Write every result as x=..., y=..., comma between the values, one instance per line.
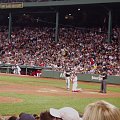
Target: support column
x=56, y=28
x=118, y=30
x=109, y=26
x=10, y=26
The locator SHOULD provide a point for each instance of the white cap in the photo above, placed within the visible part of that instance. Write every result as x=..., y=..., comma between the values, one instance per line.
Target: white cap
x=66, y=113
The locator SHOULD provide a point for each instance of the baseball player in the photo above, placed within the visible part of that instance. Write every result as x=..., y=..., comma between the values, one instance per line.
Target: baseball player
x=18, y=69
x=74, y=82
x=67, y=74
x=103, y=82
x=14, y=69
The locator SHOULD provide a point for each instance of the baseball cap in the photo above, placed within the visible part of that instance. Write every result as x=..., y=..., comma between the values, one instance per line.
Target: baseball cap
x=25, y=116
x=66, y=113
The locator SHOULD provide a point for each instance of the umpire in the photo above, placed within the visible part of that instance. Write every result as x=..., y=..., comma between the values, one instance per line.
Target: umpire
x=103, y=82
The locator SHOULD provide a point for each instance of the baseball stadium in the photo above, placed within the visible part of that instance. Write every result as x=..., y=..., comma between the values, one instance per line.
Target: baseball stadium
x=59, y=59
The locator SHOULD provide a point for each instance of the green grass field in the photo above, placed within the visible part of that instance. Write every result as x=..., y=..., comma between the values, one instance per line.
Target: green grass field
x=38, y=103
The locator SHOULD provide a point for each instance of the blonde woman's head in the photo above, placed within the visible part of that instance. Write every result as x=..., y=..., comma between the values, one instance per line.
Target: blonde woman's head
x=101, y=110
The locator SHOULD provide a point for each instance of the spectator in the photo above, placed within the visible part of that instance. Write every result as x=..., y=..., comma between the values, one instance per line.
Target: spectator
x=101, y=110
x=25, y=116
x=46, y=116
x=12, y=118
x=65, y=113
x=87, y=50
x=0, y=117
x=36, y=117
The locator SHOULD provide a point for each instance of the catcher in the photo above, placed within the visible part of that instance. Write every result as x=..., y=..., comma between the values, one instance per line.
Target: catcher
x=74, y=82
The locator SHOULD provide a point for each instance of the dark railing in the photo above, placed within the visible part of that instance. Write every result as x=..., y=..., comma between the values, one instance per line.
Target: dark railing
x=8, y=1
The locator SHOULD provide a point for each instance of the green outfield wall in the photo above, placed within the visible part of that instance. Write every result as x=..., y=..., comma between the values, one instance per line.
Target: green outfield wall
x=48, y=73
x=81, y=77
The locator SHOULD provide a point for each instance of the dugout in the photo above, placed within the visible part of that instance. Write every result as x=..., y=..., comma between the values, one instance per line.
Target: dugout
x=25, y=69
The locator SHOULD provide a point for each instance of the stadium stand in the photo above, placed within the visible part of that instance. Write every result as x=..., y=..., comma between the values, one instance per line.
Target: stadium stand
x=86, y=50
x=82, y=45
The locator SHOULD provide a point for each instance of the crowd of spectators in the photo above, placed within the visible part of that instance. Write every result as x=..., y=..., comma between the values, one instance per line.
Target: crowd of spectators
x=84, y=50
x=99, y=110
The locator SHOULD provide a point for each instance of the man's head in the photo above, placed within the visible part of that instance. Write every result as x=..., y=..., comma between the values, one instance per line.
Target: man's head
x=47, y=116
x=101, y=110
x=66, y=113
x=25, y=116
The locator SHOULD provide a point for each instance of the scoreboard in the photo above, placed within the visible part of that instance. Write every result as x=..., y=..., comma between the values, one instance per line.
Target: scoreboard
x=11, y=5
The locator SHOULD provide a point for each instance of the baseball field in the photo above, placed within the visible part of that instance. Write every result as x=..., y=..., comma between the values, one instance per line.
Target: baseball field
x=34, y=95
